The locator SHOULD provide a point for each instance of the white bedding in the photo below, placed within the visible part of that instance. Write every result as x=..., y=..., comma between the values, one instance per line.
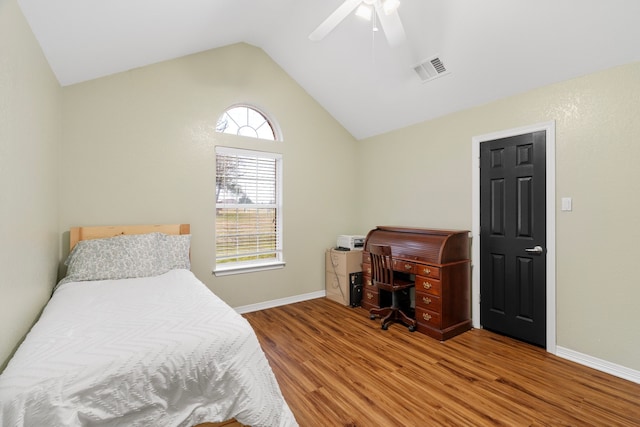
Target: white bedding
x=156, y=351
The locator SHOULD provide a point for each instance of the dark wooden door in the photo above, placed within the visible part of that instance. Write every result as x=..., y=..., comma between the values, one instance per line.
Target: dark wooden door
x=513, y=236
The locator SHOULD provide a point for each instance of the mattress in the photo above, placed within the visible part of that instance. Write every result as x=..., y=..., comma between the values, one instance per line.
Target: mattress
x=152, y=351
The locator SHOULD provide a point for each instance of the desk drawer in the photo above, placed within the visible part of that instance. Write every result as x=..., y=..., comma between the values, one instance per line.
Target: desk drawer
x=370, y=298
x=404, y=266
x=374, y=298
x=428, y=301
x=367, y=283
x=428, y=285
x=428, y=317
x=366, y=258
x=366, y=268
x=427, y=271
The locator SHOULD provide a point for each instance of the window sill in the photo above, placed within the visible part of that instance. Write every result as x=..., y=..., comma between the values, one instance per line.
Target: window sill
x=249, y=268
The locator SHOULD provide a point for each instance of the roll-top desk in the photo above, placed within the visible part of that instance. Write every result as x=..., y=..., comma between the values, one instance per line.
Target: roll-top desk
x=438, y=261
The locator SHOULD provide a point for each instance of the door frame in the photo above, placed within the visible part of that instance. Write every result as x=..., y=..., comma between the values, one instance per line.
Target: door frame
x=550, y=131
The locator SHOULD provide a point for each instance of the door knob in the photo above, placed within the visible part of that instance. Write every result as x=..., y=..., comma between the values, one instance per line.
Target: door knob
x=534, y=250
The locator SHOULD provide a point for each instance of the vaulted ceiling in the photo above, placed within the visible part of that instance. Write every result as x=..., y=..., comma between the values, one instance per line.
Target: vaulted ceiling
x=490, y=48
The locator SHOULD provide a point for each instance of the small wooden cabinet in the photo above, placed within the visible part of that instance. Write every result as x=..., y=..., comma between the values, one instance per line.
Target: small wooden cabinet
x=338, y=266
x=438, y=262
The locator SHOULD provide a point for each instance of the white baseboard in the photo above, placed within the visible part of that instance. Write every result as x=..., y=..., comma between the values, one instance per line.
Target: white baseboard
x=278, y=302
x=599, y=364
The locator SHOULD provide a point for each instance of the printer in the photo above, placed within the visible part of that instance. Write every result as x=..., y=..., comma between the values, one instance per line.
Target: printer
x=350, y=242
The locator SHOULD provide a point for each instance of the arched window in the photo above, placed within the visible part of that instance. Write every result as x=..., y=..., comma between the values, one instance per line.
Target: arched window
x=248, y=196
x=244, y=120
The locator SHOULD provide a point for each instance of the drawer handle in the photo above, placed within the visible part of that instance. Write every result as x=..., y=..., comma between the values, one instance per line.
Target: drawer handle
x=369, y=282
x=426, y=271
x=426, y=300
x=369, y=270
x=369, y=295
x=408, y=266
x=426, y=316
x=427, y=285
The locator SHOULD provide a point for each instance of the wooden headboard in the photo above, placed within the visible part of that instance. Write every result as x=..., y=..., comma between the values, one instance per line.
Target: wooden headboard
x=86, y=233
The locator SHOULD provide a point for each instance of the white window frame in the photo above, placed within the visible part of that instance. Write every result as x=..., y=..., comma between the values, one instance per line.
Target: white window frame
x=222, y=269
x=245, y=123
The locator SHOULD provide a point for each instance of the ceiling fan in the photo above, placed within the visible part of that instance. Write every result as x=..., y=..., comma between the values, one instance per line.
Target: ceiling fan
x=385, y=10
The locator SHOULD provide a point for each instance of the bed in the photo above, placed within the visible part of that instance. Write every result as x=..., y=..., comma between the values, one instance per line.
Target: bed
x=131, y=337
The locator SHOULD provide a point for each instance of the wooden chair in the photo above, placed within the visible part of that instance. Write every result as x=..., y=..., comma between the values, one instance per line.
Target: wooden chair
x=382, y=278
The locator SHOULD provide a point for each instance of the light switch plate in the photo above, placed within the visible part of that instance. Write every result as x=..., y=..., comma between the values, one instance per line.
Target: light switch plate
x=567, y=204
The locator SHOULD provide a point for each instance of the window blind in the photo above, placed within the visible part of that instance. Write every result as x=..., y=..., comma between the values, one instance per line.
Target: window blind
x=248, y=207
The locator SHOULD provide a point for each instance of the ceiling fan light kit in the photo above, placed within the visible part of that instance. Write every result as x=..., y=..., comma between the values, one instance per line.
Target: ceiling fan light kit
x=390, y=6
x=385, y=10
x=364, y=11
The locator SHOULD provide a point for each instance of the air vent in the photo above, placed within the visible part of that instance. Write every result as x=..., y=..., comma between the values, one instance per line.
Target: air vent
x=430, y=69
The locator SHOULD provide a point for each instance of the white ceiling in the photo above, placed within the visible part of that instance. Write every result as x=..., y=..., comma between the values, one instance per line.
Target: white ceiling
x=492, y=48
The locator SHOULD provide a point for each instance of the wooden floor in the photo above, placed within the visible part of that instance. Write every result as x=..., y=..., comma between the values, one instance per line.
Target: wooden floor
x=338, y=368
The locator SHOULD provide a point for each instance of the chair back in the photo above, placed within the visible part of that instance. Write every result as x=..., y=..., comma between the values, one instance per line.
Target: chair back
x=381, y=266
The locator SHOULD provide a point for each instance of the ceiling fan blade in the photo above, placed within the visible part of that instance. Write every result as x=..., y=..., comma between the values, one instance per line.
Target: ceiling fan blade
x=391, y=25
x=334, y=19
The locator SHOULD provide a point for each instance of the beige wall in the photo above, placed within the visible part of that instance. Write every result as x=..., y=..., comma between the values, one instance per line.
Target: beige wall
x=139, y=148
x=29, y=141
x=597, y=151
